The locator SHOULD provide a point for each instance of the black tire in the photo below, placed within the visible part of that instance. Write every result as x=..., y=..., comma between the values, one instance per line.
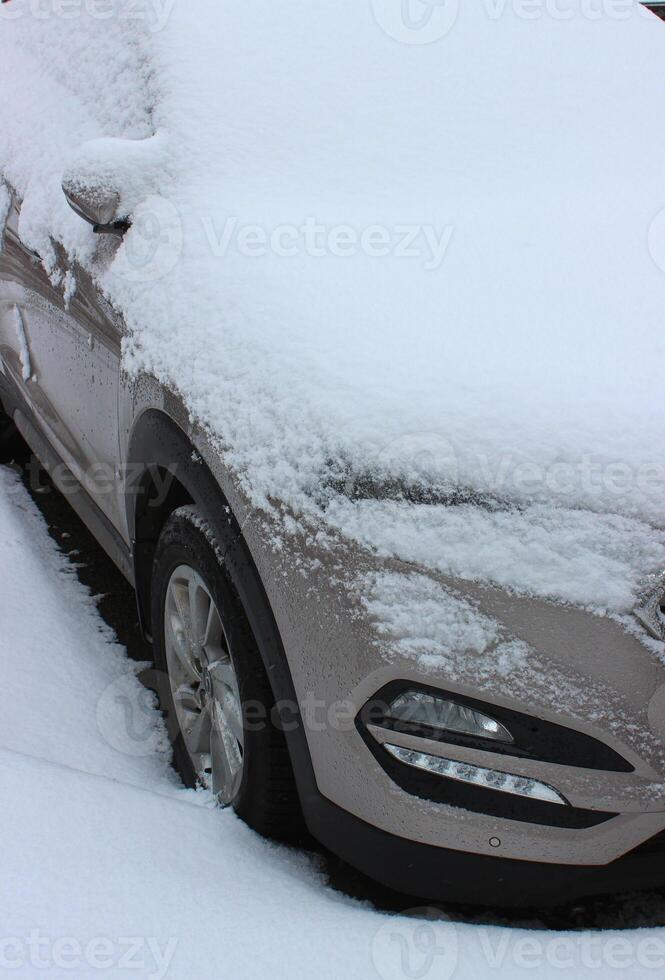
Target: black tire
x=12, y=445
x=267, y=797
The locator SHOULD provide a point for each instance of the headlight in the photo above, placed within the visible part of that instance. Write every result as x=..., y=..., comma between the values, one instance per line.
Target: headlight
x=487, y=778
x=447, y=716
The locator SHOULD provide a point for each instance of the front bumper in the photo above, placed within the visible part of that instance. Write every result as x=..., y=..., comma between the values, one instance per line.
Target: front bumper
x=429, y=873
x=584, y=672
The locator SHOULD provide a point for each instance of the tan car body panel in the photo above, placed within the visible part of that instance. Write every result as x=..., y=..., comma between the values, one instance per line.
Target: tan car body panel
x=335, y=651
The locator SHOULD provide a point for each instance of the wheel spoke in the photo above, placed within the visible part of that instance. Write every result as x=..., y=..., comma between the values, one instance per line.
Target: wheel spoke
x=225, y=687
x=188, y=698
x=213, y=634
x=232, y=715
x=200, y=605
x=226, y=762
x=179, y=646
x=223, y=675
x=204, y=684
x=180, y=593
x=221, y=773
x=198, y=738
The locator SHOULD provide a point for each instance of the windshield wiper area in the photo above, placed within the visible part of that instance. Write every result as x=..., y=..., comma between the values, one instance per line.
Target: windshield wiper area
x=367, y=486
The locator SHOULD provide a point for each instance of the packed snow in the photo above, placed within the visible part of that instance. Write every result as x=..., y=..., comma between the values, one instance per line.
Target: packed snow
x=367, y=260
x=109, y=867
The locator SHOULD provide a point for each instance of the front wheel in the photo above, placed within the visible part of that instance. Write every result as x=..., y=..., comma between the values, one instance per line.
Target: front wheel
x=217, y=698
x=11, y=444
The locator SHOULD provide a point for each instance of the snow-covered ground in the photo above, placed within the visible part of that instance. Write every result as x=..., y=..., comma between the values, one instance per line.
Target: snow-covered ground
x=108, y=867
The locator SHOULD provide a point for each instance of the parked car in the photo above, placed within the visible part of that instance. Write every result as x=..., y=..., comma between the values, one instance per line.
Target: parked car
x=285, y=694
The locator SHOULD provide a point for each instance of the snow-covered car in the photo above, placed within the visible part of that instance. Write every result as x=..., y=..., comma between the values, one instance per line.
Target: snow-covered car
x=342, y=330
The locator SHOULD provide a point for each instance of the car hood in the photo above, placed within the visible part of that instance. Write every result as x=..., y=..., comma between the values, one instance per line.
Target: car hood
x=430, y=249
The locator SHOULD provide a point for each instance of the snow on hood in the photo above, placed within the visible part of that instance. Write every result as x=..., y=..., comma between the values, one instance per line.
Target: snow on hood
x=386, y=263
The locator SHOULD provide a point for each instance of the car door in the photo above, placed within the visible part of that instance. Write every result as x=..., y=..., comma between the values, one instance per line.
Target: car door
x=60, y=346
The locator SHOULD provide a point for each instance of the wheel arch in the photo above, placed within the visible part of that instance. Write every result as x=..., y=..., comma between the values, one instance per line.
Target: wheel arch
x=167, y=470
x=164, y=471
x=158, y=445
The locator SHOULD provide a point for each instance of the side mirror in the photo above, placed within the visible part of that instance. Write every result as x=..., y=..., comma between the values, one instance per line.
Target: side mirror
x=98, y=206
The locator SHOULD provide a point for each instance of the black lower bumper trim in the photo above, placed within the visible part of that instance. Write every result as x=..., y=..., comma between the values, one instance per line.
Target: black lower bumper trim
x=439, y=874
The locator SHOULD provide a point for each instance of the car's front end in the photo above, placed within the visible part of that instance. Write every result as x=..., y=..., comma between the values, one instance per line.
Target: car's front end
x=467, y=743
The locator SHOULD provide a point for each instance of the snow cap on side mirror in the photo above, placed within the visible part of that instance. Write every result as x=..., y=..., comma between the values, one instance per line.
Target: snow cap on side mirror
x=108, y=178
x=95, y=203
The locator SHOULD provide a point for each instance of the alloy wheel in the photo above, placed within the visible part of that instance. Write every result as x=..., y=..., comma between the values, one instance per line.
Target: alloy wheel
x=204, y=684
